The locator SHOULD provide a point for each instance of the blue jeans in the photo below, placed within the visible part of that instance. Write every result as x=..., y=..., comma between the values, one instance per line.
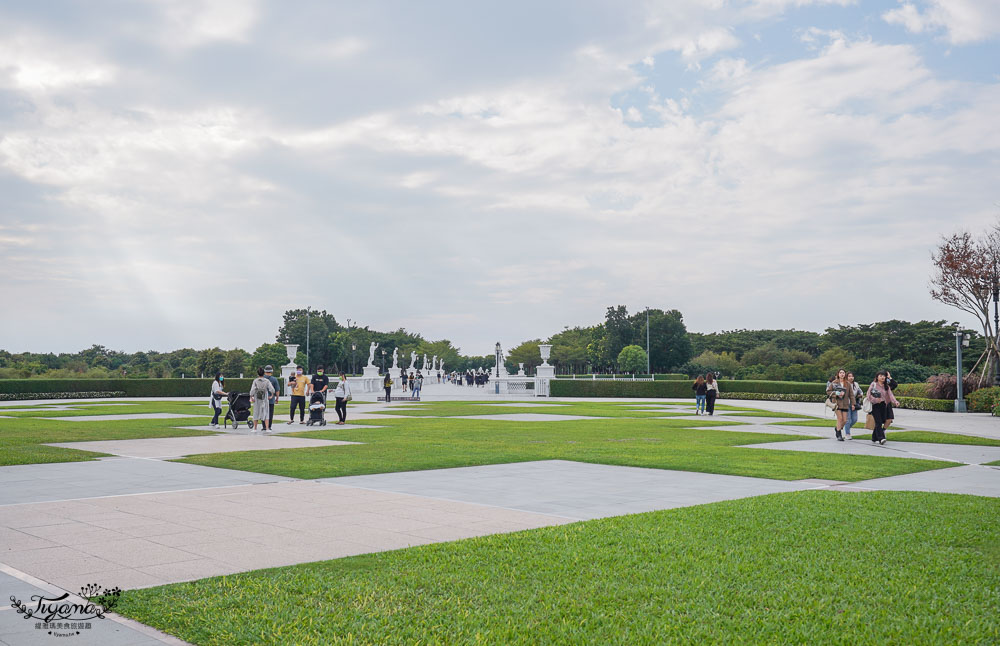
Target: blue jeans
x=852, y=419
x=699, y=403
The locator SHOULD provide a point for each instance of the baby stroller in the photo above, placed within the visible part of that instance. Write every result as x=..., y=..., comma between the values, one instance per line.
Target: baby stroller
x=239, y=410
x=317, y=410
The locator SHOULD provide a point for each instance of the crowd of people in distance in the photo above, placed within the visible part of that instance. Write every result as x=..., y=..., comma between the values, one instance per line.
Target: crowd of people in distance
x=477, y=378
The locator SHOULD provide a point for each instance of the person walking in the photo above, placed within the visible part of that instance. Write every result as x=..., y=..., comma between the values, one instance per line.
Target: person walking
x=215, y=401
x=880, y=397
x=841, y=394
x=711, y=392
x=402, y=378
x=890, y=413
x=852, y=415
x=341, y=395
x=319, y=383
x=260, y=393
x=387, y=384
x=700, y=394
x=298, y=383
x=273, y=401
x=418, y=383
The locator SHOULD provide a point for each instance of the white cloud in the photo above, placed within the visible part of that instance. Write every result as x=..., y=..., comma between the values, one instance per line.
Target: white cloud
x=190, y=23
x=35, y=63
x=964, y=21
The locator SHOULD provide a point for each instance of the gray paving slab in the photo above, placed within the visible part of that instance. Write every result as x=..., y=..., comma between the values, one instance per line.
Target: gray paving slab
x=173, y=447
x=26, y=483
x=116, y=418
x=572, y=489
x=967, y=454
x=976, y=480
x=769, y=429
x=149, y=539
x=279, y=429
x=526, y=417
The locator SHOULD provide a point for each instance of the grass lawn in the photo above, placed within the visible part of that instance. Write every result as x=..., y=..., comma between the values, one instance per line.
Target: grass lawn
x=591, y=409
x=813, y=567
x=21, y=439
x=413, y=444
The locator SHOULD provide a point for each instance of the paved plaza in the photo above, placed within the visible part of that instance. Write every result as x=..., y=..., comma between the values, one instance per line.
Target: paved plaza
x=138, y=520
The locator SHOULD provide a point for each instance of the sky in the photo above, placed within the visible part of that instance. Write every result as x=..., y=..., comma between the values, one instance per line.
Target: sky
x=178, y=173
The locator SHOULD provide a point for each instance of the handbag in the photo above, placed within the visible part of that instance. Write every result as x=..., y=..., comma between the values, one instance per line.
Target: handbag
x=870, y=422
x=830, y=404
x=866, y=405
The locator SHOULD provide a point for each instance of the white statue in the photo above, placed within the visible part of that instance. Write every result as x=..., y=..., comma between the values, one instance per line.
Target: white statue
x=425, y=361
x=441, y=366
x=434, y=362
x=371, y=353
x=395, y=359
x=413, y=360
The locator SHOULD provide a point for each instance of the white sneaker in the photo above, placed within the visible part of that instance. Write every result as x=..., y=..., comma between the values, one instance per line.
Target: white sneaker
x=882, y=442
x=847, y=436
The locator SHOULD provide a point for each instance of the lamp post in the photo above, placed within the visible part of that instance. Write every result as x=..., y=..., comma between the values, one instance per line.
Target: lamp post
x=647, y=341
x=307, y=338
x=497, y=366
x=353, y=348
x=961, y=341
x=383, y=362
x=996, y=326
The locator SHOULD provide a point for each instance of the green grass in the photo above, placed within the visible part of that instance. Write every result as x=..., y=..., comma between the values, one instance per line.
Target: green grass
x=814, y=567
x=455, y=409
x=905, y=436
x=414, y=444
x=21, y=439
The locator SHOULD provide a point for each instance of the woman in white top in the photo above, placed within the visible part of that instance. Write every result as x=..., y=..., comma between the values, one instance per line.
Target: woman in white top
x=711, y=392
x=342, y=392
x=215, y=401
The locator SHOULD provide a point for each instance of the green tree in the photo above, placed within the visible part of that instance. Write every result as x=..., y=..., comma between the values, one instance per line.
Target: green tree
x=320, y=324
x=669, y=344
x=268, y=353
x=210, y=362
x=569, y=349
x=235, y=362
x=632, y=359
x=526, y=353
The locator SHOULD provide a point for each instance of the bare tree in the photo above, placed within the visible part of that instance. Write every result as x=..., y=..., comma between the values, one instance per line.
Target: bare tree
x=965, y=273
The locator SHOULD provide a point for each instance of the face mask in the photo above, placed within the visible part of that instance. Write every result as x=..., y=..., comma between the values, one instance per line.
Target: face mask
x=320, y=373
x=221, y=379
x=298, y=372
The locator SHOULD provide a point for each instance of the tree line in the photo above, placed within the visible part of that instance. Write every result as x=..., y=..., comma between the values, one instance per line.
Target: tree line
x=913, y=351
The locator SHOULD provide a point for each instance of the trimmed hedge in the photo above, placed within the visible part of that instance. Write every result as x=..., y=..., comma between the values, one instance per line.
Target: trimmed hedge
x=774, y=397
x=923, y=403
x=673, y=388
x=670, y=376
x=58, y=388
x=77, y=395
x=921, y=389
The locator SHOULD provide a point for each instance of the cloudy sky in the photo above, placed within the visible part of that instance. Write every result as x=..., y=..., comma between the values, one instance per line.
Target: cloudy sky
x=177, y=173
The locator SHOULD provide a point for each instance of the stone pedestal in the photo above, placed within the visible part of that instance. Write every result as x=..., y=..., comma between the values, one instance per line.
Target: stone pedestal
x=545, y=372
x=370, y=372
x=288, y=369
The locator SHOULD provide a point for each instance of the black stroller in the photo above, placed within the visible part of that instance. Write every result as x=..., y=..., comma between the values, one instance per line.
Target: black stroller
x=239, y=410
x=317, y=410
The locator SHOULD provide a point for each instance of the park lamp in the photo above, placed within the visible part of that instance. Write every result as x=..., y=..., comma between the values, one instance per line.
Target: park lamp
x=497, y=366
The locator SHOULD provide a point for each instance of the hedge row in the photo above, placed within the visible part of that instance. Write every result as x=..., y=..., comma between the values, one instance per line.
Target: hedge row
x=984, y=400
x=58, y=388
x=922, y=403
x=672, y=388
x=103, y=394
x=660, y=376
x=921, y=389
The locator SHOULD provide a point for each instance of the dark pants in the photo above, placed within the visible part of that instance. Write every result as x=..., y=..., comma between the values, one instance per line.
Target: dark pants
x=710, y=401
x=215, y=419
x=878, y=412
x=388, y=394
x=341, y=408
x=270, y=413
x=300, y=401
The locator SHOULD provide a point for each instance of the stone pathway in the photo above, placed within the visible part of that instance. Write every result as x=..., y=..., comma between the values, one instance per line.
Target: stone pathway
x=118, y=418
x=576, y=490
x=964, y=453
x=165, y=448
x=975, y=480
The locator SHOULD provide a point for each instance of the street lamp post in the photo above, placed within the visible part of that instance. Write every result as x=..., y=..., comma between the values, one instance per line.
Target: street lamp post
x=307, y=339
x=961, y=341
x=647, y=342
x=383, y=362
x=996, y=326
x=353, y=369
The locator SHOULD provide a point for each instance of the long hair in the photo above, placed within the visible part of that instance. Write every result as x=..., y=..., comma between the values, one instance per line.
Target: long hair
x=699, y=381
x=882, y=373
x=709, y=378
x=217, y=375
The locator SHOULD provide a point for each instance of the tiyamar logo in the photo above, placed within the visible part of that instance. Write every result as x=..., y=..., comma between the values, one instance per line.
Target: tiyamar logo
x=62, y=617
